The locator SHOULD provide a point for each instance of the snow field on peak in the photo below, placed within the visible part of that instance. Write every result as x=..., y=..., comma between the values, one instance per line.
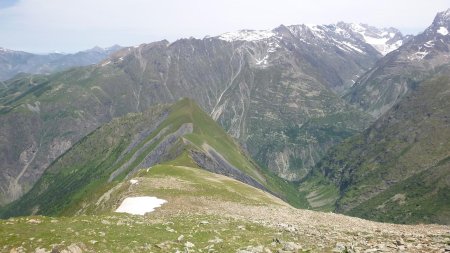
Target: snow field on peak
x=247, y=35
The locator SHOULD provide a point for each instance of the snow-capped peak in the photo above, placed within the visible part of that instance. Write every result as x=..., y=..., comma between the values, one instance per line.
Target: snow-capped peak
x=442, y=18
x=383, y=40
x=247, y=35
x=4, y=50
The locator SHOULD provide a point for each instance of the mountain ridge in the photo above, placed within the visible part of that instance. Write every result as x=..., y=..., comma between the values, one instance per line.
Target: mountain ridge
x=14, y=62
x=241, y=84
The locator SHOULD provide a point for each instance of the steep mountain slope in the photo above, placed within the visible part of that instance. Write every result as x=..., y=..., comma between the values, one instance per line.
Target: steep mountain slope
x=180, y=135
x=15, y=62
x=275, y=93
x=203, y=211
x=398, y=170
x=381, y=87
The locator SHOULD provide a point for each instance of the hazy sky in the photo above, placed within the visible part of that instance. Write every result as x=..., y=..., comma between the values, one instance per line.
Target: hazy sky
x=72, y=25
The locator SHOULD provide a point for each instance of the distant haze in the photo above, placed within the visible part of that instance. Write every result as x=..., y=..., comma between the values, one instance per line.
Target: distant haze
x=73, y=25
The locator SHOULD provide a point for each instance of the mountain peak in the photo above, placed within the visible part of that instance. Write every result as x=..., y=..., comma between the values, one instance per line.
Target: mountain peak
x=4, y=50
x=442, y=19
x=247, y=35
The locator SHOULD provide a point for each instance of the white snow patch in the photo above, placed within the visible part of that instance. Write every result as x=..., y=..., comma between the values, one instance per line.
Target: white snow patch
x=106, y=63
x=429, y=43
x=353, y=47
x=247, y=35
x=262, y=61
x=134, y=181
x=418, y=55
x=140, y=205
x=442, y=30
x=380, y=41
x=317, y=30
x=4, y=50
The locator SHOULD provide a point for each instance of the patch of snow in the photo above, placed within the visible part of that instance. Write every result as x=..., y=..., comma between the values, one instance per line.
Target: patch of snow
x=442, y=30
x=140, y=205
x=273, y=47
x=106, y=63
x=134, y=181
x=262, y=61
x=429, y=43
x=353, y=47
x=247, y=35
x=340, y=31
x=381, y=41
x=418, y=55
x=317, y=30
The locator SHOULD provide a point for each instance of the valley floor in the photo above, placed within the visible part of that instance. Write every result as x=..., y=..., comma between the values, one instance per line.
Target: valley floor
x=221, y=227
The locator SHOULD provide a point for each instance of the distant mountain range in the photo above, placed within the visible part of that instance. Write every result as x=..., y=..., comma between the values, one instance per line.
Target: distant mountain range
x=15, y=62
x=355, y=116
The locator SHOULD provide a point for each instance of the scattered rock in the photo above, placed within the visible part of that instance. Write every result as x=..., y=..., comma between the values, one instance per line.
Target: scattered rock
x=41, y=250
x=399, y=242
x=105, y=222
x=189, y=245
x=216, y=240
x=180, y=238
x=163, y=246
x=33, y=221
x=169, y=229
x=340, y=247
x=291, y=246
x=252, y=249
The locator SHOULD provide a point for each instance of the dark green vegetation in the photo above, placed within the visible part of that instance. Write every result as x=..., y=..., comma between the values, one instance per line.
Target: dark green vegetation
x=398, y=169
x=182, y=133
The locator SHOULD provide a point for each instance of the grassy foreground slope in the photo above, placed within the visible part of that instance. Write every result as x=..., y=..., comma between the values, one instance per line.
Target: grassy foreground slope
x=181, y=133
x=206, y=212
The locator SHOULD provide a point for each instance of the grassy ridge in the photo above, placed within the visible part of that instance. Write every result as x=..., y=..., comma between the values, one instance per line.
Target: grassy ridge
x=87, y=166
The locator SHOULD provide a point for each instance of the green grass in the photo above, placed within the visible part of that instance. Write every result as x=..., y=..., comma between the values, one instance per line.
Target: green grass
x=124, y=233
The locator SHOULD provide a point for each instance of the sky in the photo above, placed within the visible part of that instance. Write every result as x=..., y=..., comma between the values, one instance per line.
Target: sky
x=42, y=26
